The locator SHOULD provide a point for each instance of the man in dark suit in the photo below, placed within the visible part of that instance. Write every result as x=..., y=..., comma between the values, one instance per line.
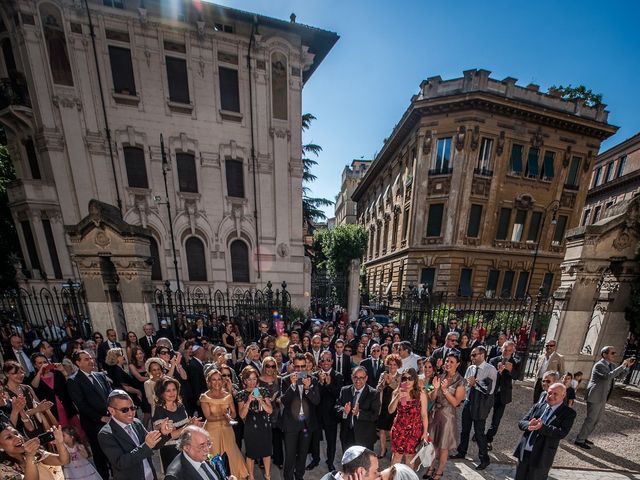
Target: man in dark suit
x=298, y=419
x=330, y=383
x=109, y=343
x=450, y=346
x=342, y=362
x=476, y=341
x=544, y=425
x=373, y=365
x=17, y=353
x=201, y=330
x=251, y=359
x=148, y=341
x=193, y=444
x=195, y=373
x=453, y=327
x=359, y=406
x=496, y=349
x=89, y=391
x=127, y=443
x=508, y=368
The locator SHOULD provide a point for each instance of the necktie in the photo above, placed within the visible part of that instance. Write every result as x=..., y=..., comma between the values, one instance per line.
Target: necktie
x=132, y=434
x=356, y=395
x=340, y=364
x=207, y=472
x=96, y=383
x=150, y=341
x=375, y=368
x=611, y=366
x=20, y=356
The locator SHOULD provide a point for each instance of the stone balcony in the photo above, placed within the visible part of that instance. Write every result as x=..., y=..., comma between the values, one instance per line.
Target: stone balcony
x=25, y=191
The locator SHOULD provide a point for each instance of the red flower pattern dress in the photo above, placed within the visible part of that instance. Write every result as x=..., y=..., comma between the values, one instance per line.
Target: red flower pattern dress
x=407, y=430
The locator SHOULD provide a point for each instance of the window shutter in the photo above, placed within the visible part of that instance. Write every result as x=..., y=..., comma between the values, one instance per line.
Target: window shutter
x=516, y=158
x=547, y=166
x=532, y=162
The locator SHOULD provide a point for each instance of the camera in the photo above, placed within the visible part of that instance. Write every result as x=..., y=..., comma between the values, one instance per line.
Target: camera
x=300, y=376
x=46, y=437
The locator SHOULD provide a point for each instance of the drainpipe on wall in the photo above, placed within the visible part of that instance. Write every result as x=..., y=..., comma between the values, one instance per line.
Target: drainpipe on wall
x=254, y=28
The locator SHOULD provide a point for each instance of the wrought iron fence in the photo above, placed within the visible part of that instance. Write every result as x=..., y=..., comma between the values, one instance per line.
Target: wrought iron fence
x=247, y=307
x=328, y=291
x=56, y=314
x=420, y=314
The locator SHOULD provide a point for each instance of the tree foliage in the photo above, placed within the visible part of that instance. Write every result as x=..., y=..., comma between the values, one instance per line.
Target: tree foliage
x=632, y=312
x=311, y=206
x=578, y=93
x=9, y=245
x=338, y=246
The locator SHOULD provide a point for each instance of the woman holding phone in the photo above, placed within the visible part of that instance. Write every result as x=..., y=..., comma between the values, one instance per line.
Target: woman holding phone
x=254, y=405
x=270, y=381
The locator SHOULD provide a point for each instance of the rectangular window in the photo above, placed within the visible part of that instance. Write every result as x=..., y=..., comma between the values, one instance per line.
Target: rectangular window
x=561, y=226
x=596, y=177
x=405, y=224
x=521, y=287
x=507, y=284
x=596, y=213
x=484, y=156
x=585, y=217
x=229, y=89
x=532, y=163
x=492, y=283
x=574, y=172
x=122, y=70
x=503, y=223
x=518, y=225
x=621, y=163
x=32, y=159
x=515, y=160
x=187, y=176
x=547, y=283
x=113, y=3
x=464, y=289
x=235, y=178
x=427, y=278
x=475, y=215
x=534, y=227
x=443, y=155
x=51, y=245
x=434, y=221
x=30, y=243
x=609, y=172
x=178, y=79
x=547, y=165
x=136, y=168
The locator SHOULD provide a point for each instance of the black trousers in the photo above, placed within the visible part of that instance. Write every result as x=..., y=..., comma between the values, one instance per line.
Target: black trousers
x=528, y=470
x=296, y=447
x=478, y=429
x=330, y=431
x=537, y=390
x=99, y=458
x=347, y=437
x=496, y=417
x=278, y=451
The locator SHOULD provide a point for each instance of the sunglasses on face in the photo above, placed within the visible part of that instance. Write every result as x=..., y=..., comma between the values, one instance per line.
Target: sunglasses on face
x=133, y=408
x=406, y=379
x=269, y=366
x=225, y=376
x=359, y=378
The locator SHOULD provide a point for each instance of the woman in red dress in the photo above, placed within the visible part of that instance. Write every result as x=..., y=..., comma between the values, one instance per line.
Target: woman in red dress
x=412, y=421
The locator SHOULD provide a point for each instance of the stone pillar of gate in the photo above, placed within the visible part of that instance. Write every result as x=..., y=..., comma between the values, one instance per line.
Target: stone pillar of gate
x=114, y=262
x=589, y=309
x=353, y=295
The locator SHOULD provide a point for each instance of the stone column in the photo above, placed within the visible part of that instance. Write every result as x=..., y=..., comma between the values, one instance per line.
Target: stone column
x=353, y=295
x=136, y=290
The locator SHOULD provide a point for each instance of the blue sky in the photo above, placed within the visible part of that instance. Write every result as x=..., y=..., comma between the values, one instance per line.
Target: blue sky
x=386, y=49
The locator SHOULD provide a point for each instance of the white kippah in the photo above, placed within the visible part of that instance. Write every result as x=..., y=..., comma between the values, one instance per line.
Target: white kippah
x=352, y=453
x=195, y=348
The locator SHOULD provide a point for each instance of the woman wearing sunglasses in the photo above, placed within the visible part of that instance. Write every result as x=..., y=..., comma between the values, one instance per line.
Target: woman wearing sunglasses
x=412, y=420
x=270, y=381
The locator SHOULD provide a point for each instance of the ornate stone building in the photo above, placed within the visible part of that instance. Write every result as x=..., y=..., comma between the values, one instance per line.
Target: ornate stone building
x=85, y=96
x=474, y=189
x=346, y=208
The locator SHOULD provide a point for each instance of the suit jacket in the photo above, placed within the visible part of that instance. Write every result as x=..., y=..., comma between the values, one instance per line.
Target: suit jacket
x=504, y=385
x=475, y=343
x=556, y=363
x=601, y=381
x=494, y=351
x=125, y=456
x=196, y=378
x=291, y=401
x=238, y=367
x=146, y=346
x=90, y=400
x=364, y=426
x=438, y=353
x=346, y=367
x=102, y=351
x=59, y=390
x=329, y=395
x=181, y=469
x=547, y=438
x=372, y=379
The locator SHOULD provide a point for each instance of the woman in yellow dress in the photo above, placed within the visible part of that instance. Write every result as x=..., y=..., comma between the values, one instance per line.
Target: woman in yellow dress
x=218, y=409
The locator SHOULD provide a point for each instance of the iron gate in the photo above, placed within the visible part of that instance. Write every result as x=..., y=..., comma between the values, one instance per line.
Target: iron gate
x=328, y=290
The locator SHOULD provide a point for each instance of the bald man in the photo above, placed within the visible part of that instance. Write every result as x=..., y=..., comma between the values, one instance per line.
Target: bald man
x=543, y=426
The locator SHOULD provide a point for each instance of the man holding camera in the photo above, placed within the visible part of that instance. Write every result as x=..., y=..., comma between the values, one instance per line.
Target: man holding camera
x=300, y=396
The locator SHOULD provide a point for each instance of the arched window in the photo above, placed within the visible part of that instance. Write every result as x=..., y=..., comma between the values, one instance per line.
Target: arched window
x=196, y=261
x=53, y=30
x=156, y=269
x=279, y=88
x=239, y=261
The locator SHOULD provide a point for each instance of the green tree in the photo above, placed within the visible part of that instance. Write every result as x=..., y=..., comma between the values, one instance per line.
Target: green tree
x=311, y=206
x=632, y=312
x=580, y=92
x=9, y=245
x=339, y=246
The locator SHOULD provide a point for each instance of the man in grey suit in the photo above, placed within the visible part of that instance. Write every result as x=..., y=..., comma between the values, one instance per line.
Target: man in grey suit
x=602, y=377
x=127, y=443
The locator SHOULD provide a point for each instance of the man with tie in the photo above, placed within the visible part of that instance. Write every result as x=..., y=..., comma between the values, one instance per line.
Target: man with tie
x=108, y=344
x=343, y=362
x=359, y=406
x=604, y=372
x=127, y=443
x=89, y=391
x=450, y=344
x=18, y=354
x=191, y=464
x=300, y=396
x=550, y=361
x=316, y=347
x=544, y=426
x=148, y=341
x=508, y=368
x=251, y=359
x=373, y=365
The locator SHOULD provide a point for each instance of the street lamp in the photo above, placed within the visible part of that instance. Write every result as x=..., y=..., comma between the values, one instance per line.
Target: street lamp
x=553, y=206
x=165, y=168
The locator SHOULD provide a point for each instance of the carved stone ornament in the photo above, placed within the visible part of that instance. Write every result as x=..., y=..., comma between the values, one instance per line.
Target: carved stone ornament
x=102, y=240
x=460, y=136
x=283, y=250
x=500, y=144
x=475, y=138
x=567, y=157
x=587, y=163
x=142, y=16
x=524, y=201
x=426, y=143
x=200, y=28
x=537, y=140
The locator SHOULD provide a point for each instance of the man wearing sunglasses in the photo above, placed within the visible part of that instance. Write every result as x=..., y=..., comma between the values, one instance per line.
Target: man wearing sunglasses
x=550, y=361
x=450, y=346
x=127, y=443
x=359, y=407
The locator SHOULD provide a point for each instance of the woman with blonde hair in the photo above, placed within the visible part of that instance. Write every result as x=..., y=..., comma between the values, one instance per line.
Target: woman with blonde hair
x=155, y=368
x=115, y=366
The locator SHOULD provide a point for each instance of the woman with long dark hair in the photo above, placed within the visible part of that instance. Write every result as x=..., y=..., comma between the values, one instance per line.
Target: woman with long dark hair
x=139, y=376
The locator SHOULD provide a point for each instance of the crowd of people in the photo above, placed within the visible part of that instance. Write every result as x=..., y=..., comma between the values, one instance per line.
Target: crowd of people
x=99, y=407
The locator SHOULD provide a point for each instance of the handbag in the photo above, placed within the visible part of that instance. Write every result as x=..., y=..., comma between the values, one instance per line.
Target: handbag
x=426, y=453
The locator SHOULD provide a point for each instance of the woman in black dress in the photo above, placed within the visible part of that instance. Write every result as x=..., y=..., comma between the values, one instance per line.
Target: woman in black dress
x=388, y=382
x=254, y=406
x=270, y=381
x=465, y=354
x=139, y=376
x=122, y=379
